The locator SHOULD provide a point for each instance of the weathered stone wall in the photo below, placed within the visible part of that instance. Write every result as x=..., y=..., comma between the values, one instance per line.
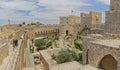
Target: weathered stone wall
x=91, y=23
x=103, y=36
x=86, y=46
x=46, y=59
x=43, y=60
x=115, y=5
x=73, y=20
x=118, y=59
x=23, y=58
x=96, y=18
x=112, y=22
x=92, y=19
x=111, y=36
x=4, y=52
x=67, y=29
x=113, y=18
x=44, y=31
x=95, y=58
x=97, y=31
x=93, y=53
x=50, y=64
x=85, y=20
x=7, y=31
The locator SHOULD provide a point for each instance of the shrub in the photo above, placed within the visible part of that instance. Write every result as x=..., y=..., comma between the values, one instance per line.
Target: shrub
x=49, y=44
x=78, y=45
x=31, y=49
x=36, y=57
x=53, y=39
x=53, y=56
x=56, y=38
x=80, y=38
x=65, y=55
x=80, y=57
x=40, y=44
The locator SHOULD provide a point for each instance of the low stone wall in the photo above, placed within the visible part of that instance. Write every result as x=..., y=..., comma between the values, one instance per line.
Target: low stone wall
x=46, y=59
x=97, y=52
x=67, y=66
x=4, y=52
x=104, y=36
x=50, y=64
x=112, y=36
x=86, y=45
x=43, y=60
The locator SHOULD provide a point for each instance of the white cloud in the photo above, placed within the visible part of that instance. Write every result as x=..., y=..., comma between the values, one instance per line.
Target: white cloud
x=56, y=8
x=107, y=2
x=18, y=5
x=63, y=4
x=43, y=10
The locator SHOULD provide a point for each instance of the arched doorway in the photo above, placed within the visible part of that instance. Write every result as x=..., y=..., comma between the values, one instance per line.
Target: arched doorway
x=108, y=63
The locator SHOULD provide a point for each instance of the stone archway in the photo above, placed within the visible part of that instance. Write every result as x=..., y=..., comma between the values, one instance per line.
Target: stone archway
x=108, y=62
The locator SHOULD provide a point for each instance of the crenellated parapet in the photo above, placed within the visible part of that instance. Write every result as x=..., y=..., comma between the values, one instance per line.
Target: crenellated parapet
x=51, y=30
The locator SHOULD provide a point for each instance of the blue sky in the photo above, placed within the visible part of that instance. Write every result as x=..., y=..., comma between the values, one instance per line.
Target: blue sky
x=47, y=11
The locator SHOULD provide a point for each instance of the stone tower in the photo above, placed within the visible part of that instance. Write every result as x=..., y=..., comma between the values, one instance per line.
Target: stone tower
x=91, y=19
x=68, y=25
x=71, y=20
x=115, y=5
x=112, y=24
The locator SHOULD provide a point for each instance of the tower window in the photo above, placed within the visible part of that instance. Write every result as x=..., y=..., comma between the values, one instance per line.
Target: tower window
x=67, y=32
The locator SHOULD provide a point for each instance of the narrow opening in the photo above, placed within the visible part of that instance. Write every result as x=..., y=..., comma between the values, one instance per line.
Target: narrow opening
x=87, y=62
x=67, y=32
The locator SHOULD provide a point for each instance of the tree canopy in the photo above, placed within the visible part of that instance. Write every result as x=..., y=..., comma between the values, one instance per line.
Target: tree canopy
x=40, y=44
x=66, y=55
